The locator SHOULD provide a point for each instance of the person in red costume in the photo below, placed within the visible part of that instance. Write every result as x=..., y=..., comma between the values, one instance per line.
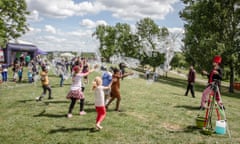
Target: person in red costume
x=214, y=75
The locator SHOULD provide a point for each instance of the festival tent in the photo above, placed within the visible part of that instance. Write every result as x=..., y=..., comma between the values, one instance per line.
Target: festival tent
x=41, y=52
x=13, y=49
x=70, y=55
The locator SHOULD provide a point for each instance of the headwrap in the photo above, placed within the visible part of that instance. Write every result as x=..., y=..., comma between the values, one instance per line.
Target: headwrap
x=217, y=59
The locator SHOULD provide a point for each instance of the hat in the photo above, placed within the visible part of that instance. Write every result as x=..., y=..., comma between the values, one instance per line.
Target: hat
x=217, y=59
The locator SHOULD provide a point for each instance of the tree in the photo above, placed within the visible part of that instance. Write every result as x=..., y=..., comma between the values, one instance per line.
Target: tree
x=178, y=60
x=126, y=42
x=120, y=40
x=117, y=39
x=13, y=20
x=107, y=38
x=212, y=28
x=150, y=34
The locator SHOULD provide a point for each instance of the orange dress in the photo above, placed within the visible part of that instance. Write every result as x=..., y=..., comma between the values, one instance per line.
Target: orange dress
x=115, y=88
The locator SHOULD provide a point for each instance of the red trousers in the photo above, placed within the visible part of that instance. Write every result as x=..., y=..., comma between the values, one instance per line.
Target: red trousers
x=101, y=113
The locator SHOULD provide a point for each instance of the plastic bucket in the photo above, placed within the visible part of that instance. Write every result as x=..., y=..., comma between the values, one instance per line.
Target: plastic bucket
x=220, y=127
x=200, y=122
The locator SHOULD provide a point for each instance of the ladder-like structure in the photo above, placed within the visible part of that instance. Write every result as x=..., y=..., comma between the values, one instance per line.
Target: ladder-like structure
x=211, y=105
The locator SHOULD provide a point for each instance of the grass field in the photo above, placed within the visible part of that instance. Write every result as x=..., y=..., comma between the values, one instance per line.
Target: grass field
x=152, y=113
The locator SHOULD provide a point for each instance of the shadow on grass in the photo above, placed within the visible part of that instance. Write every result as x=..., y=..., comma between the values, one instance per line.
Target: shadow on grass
x=191, y=128
x=25, y=101
x=43, y=114
x=188, y=107
x=188, y=129
x=56, y=102
x=182, y=83
x=64, y=130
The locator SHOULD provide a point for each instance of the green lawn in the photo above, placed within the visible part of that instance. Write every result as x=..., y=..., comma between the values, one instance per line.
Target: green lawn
x=156, y=113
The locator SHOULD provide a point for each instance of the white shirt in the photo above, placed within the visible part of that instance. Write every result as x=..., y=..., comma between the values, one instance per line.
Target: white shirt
x=77, y=82
x=99, y=96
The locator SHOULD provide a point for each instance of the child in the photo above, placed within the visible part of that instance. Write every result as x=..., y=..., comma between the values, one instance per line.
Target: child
x=99, y=101
x=115, y=88
x=45, y=84
x=215, y=74
x=4, y=72
x=85, y=69
x=75, y=92
x=30, y=76
x=20, y=73
x=106, y=81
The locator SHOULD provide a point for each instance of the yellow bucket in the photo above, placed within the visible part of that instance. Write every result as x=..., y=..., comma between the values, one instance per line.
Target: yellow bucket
x=200, y=122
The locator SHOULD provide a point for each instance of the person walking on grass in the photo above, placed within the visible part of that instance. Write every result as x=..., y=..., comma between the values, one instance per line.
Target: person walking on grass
x=75, y=92
x=115, y=88
x=191, y=81
x=99, y=101
x=45, y=84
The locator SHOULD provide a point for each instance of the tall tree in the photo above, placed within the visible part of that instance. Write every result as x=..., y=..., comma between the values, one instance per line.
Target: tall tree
x=212, y=28
x=107, y=39
x=117, y=39
x=150, y=34
x=13, y=20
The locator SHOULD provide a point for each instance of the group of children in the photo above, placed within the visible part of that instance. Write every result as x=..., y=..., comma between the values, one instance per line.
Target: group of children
x=108, y=84
x=106, y=89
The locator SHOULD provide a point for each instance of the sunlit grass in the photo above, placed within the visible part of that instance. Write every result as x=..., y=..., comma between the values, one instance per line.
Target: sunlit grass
x=151, y=113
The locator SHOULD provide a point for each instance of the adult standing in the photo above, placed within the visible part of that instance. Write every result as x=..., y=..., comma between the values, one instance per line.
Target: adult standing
x=191, y=81
x=215, y=75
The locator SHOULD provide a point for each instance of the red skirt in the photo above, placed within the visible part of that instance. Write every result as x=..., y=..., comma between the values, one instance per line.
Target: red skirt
x=77, y=94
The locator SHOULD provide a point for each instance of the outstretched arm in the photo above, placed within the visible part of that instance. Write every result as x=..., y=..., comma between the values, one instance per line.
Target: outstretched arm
x=127, y=74
x=90, y=71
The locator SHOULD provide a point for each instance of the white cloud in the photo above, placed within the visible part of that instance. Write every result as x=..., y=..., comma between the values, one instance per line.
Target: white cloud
x=91, y=24
x=67, y=35
x=80, y=40
x=138, y=9
x=34, y=16
x=123, y=9
x=64, y=8
x=51, y=29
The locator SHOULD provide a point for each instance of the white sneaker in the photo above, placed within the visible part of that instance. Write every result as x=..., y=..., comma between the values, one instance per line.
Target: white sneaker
x=82, y=113
x=69, y=115
x=38, y=98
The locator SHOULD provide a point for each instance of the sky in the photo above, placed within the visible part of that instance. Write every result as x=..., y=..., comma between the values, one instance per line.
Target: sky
x=67, y=25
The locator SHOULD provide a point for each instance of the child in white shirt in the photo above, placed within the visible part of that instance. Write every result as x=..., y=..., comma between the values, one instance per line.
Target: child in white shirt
x=99, y=101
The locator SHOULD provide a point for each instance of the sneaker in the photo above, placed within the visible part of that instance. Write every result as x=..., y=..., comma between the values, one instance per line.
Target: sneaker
x=50, y=98
x=98, y=127
x=38, y=98
x=82, y=113
x=69, y=115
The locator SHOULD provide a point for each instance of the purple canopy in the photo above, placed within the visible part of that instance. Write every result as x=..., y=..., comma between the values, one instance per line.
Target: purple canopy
x=41, y=52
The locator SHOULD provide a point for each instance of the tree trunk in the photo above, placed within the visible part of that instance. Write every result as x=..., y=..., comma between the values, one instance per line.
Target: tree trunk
x=231, y=88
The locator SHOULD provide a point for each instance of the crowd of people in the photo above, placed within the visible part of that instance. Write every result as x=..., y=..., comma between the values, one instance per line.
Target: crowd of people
x=106, y=87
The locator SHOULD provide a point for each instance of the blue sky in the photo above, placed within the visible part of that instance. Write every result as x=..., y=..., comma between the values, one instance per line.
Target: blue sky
x=67, y=25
